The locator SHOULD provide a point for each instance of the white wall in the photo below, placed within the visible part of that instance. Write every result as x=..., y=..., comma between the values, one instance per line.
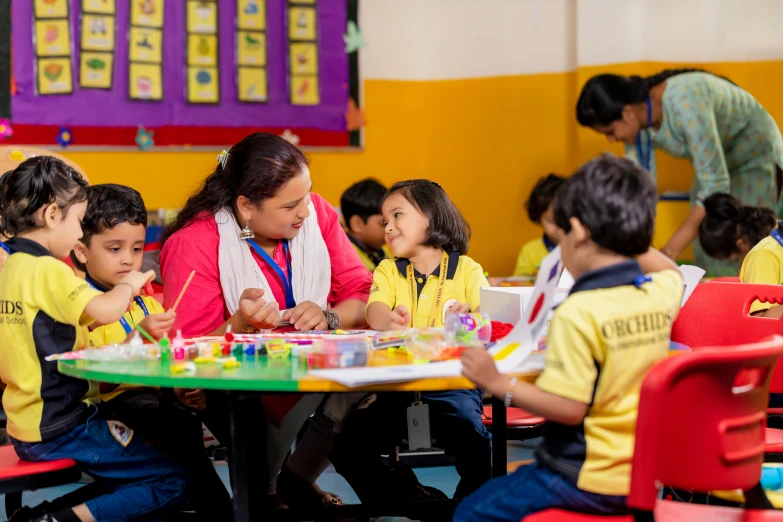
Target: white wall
x=451, y=39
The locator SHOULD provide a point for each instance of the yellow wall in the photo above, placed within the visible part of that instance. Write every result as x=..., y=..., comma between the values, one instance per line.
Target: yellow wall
x=485, y=140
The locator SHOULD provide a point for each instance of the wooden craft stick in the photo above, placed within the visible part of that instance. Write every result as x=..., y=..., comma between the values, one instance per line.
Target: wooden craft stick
x=185, y=287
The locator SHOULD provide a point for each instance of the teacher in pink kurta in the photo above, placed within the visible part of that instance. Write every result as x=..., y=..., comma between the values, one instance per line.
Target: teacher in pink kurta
x=264, y=248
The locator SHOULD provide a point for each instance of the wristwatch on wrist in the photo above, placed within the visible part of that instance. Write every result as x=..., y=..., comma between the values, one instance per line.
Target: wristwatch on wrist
x=332, y=320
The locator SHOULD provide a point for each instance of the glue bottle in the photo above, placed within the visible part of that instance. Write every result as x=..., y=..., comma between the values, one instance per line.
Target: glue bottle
x=179, y=346
x=772, y=477
x=165, y=347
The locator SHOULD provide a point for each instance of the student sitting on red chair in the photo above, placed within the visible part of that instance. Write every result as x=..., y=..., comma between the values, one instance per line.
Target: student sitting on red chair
x=614, y=326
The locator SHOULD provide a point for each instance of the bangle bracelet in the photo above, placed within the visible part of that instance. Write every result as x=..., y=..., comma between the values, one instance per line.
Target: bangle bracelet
x=509, y=394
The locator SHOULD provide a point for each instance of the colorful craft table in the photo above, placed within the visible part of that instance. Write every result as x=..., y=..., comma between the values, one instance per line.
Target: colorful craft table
x=259, y=375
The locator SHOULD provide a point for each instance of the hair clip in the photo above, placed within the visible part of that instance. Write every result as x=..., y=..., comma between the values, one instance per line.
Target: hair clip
x=223, y=158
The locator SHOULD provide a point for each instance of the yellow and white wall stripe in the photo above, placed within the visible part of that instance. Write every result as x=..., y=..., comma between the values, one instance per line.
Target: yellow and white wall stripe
x=480, y=96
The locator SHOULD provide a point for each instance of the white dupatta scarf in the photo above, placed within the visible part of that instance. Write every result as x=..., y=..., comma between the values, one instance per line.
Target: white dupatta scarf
x=310, y=263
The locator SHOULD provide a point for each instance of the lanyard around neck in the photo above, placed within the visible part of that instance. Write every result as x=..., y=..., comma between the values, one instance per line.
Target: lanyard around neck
x=6, y=248
x=775, y=233
x=123, y=322
x=414, y=294
x=288, y=287
x=644, y=159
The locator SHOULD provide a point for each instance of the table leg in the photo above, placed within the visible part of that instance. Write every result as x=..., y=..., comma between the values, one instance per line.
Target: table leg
x=499, y=438
x=249, y=476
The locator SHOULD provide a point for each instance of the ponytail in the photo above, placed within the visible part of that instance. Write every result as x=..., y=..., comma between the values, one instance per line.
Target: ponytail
x=727, y=221
x=256, y=167
x=36, y=183
x=604, y=96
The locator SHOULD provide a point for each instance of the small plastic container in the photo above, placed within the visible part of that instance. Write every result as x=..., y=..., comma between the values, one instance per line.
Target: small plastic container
x=345, y=351
x=468, y=329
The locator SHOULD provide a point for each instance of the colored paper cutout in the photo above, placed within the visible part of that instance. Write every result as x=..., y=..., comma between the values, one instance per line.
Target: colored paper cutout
x=96, y=70
x=144, y=138
x=51, y=8
x=6, y=131
x=354, y=117
x=303, y=57
x=203, y=85
x=252, y=85
x=97, y=32
x=64, y=137
x=304, y=90
x=99, y=6
x=290, y=137
x=202, y=49
x=54, y=76
x=146, y=45
x=202, y=17
x=145, y=81
x=251, y=14
x=353, y=38
x=301, y=23
x=251, y=48
x=148, y=13
x=52, y=38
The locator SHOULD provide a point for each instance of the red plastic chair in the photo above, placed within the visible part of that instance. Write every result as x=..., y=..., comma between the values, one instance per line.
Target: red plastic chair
x=18, y=476
x=520, y=425
x=718, y=315
x=701, y=427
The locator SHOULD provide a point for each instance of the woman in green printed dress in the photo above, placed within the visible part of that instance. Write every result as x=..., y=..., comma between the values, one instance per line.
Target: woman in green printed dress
x=732, y=142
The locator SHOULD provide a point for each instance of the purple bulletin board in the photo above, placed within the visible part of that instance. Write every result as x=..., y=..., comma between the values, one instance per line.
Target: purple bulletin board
x=110, y=117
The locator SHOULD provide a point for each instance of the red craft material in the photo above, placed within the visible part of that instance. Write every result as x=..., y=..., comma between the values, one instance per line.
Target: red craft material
x=500, y=330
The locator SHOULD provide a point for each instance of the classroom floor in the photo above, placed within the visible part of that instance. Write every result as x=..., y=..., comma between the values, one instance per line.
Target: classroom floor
x=443, y=478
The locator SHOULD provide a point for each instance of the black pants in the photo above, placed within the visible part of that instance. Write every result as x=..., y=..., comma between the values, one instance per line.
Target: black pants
x=176, y=431
x=455, y=422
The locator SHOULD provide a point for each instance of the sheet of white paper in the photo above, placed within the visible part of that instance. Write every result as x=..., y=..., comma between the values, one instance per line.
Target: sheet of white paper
x=537, y=310
x=691, y=275
x=566, y=280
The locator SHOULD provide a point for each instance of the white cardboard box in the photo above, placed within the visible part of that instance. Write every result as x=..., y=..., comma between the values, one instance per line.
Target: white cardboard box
x=505, y=304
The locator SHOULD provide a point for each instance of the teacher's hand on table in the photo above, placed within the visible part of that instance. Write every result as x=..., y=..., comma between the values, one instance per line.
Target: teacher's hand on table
x=195, y=399
x=255, y=313
x=307, y=316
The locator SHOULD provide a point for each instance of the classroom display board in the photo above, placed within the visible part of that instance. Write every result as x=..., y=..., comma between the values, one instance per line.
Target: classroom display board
x=186, y=72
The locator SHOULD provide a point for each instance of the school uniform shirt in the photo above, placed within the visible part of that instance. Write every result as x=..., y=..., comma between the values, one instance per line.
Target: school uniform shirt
x=42, y=307
x=464, y=280
x=195, y=247
x=370, y=258
x=602, y=341
x=531, y=256
x=763, y=265
x=115, y=333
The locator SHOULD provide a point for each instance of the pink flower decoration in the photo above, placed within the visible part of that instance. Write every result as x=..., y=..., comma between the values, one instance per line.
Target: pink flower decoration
x=5, y=128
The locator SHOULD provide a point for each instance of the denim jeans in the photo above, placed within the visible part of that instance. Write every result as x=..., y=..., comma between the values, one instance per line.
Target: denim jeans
x=530, y=489
x=141, y=481
x=456, y=423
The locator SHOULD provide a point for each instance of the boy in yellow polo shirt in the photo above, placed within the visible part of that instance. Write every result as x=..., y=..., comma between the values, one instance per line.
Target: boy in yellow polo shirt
x=430, y=278
x=603, y=339
x=540, y=211
x=114, y=229
x=360, y=205
x=46, y=312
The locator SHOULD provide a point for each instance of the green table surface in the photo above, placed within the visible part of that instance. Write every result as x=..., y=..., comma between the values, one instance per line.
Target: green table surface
x=263, y=374
x=255, y=374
